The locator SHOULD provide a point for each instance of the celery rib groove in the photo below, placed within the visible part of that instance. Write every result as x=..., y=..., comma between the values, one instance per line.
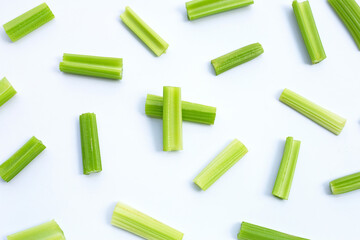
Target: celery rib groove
x=6, y=91
x=45, y=231
x=345, y=184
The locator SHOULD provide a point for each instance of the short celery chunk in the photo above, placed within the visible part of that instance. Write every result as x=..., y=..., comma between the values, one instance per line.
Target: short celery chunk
x=345, y=184
x=6, y=91
x=46, y=231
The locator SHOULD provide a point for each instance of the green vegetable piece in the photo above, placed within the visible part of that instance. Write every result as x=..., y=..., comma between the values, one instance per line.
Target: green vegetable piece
x=95, y=60
x=46, y=231
x=345, y=184
x=6, y=91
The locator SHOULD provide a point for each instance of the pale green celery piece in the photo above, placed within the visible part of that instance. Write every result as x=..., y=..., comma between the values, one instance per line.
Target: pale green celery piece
x=46, y=231
x=349, y=13
x=138, y=223
x=191, y=112
x=309, y=31
x=96, y=60
x=28, y=22
x=250, y=231
x=90, y=144
x=6, y=91
x=237, y=57
x=17, y=162
x=202, y=8
x=144, y=32
x=287, y=169
x=172, y=119
x=220, y=164
x=345, y=184
x=331, y=121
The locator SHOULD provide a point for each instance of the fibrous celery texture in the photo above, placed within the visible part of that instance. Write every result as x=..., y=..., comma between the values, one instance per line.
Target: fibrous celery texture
x=172, y=119
x=220, y=164
x=28, y=22
x=138, y=223
x=309, y=31
x=321, y=116
x=345, y=184
x=144, y=32
x=287, y=169
x=202, y=8
x=349, y=13
x=103, y=67
x=90, y=144
x=17, y=162
x=46, y=231
x=237, y=57
x=6, y=91
x=250, y=231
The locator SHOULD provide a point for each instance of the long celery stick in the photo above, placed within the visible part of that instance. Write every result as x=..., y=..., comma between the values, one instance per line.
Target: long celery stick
x=96, y=60
x=6, y=91
x=250, y=231
x=202, y=8
x=17, y=162
x=321, y=116
x=309, y=31
x=138, y=223
x=90, y=144
x=28, y=22
x=144, y=32
x=237, y=57
x=345, y=184
x=191, y=112
x=220, y=164
x=287, y=169
x=46, y=231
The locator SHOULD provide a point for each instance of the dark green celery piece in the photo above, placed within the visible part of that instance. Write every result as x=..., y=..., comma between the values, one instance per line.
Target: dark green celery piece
x=345, y=184
x=46, y=231
x=6, y=91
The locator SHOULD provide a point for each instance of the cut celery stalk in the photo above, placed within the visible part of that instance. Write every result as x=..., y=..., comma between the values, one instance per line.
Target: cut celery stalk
x=287, y=169
x=17, y=162
x=144, y=32
x=138, y=223
x=332, y=122
x=309, y=31
x=345, y=184
x=28, y=22
x=46, y=231
x=220, y=164
x=6, y=91
x=90, y=144
x=172, y=119
x=250, y=231
x=95, y=60
x=202, y=8
x=237, y=57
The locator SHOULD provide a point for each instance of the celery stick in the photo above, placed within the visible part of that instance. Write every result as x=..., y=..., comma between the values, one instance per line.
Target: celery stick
x=287, y=169
x=345, y=184
x=93, y=70
x=144, y=32
x=309, y=31
x=28, y=22
x=237, y=57
x=172, y=119
x=138, y=223
x=95, y=60
x=17, y=162
x=220, y=164
x=202, y=8
x=90, y=144
x=46, y=231
x=6, y=91
x=332, y=122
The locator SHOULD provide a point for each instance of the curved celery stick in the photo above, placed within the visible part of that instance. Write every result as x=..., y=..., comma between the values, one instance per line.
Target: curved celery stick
x=309, y=31
x=237, y=57
x=90, y=144
x=17, y=162
x=91, y=70
x=250, y=231
x=144, y=32
x=287, y=169
x=331, y=121
x=28, y=22
x=87, y=59
x=220, y=164
x=202, y=8
x=45, y=231
x=6, y=91
x=138, y=223
x=345, y=184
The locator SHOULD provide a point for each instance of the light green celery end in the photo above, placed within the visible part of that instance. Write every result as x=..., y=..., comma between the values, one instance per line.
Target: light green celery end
x=6, y=91
x=237, y=57
x=320, y=115
x=28, y=22
x=144, y=32
x=345, y=184
x=309, y=31
x=46, y=231
x=202, y=8
x=95, y=60
x=220, y=164
x=19, y=160
x=138, y=223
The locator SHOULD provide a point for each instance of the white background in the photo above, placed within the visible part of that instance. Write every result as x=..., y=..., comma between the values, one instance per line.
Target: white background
x=135, y=170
